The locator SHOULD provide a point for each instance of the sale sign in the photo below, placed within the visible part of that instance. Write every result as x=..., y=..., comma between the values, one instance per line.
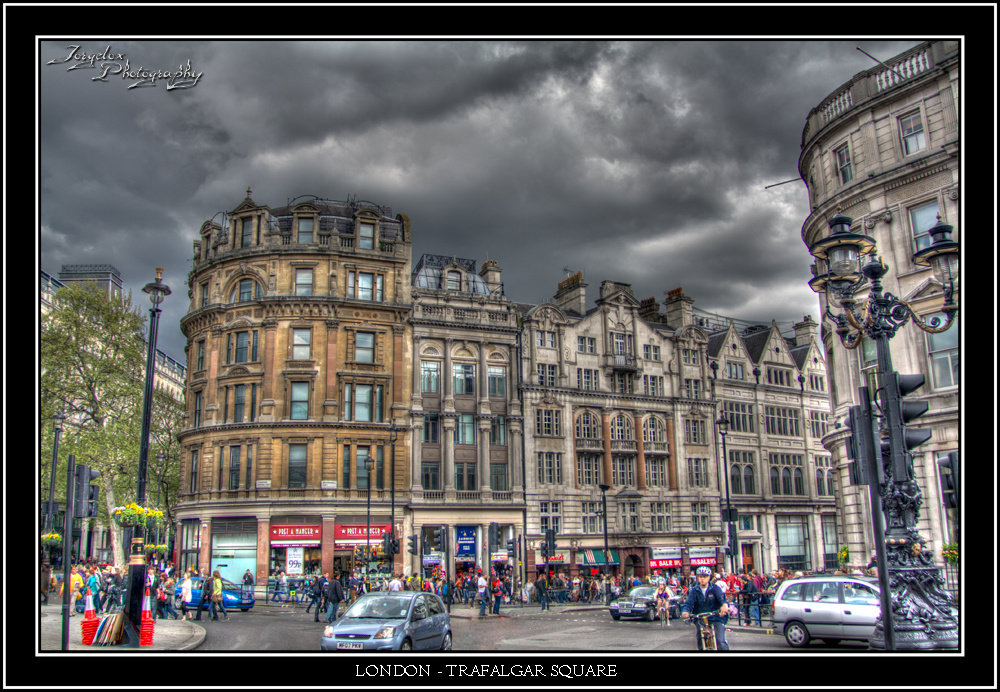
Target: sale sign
x=293, y=561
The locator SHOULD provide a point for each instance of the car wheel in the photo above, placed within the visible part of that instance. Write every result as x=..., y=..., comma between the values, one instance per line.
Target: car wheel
x=649, y=615
x=446, y=642
x=796, y=634
x=616, y=618
x=407, y=645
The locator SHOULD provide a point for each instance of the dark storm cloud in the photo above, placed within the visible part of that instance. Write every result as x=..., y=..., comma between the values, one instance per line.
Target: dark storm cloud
x=640, y=162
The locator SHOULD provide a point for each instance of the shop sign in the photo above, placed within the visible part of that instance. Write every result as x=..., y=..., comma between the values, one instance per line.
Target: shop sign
x=327, y=485
x=665, y=557
x=292, y=534
x=702, y=556
x=293, y=561
x=355, y=534
x=466, y=544
x=558, y=557
x=500, y=556
x=263, y=485
x=433, y=558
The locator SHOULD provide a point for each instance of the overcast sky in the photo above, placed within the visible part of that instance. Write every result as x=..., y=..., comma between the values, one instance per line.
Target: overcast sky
x=638, y=162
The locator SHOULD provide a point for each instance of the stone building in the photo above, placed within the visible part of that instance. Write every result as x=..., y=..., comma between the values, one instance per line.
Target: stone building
x=299, y=363
x=884, y=148
x=466, y=469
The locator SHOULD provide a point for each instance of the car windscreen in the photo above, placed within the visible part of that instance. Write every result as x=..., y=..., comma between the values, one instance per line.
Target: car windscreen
x=642, y=592
x=382, y=607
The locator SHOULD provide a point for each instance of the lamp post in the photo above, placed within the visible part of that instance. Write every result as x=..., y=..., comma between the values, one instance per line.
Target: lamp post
x=57, y=423
x=393, y=434
x=369, y=467
x=159, y=484
x=604, y=513
x=157, y=291
x=916, y=612
x=723, y=425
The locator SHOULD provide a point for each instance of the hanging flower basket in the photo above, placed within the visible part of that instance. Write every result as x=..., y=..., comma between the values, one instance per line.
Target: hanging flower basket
x=843, y=556
x=156, y=548
x=134, y=515
x=950, y=553
x=51, y=539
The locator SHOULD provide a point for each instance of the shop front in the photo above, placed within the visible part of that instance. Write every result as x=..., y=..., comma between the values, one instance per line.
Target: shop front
x=591, y=562
x=666, y=561
x=556, y=564
x=296, y=549
x=703, y=557
x=465, y=549
x=358, y=548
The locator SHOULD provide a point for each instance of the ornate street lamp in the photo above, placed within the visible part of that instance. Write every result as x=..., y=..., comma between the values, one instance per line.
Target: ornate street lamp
x=393, y=434
x=369, y=467
x=157, y=291
x=57, y=423
x=916, y=611
x=723, y=425
x=604, y=513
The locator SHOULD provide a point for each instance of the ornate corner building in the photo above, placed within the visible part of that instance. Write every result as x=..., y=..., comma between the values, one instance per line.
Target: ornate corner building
x=884, y=148
x=299, y=362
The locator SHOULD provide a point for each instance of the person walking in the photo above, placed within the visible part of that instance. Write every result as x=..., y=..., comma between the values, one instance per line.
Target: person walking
x=481, y=593
x=186, y=596
x=206, y=593
x=334, y=595
x=751, y=596
x=315, y=596
x=497, y=593
x=542, y=587
x=218, y=599
x=167, y=598
x=352, y=587
x=43, y=579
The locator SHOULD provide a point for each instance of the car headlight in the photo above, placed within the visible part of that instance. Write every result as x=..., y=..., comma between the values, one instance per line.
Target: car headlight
x=328, y=631
x=385, y=633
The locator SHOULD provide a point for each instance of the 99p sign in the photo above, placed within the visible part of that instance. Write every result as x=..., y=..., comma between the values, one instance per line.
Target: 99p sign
x=293, y=561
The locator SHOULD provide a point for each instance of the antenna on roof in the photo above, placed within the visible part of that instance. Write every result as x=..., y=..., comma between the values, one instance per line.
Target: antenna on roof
x=569, y=272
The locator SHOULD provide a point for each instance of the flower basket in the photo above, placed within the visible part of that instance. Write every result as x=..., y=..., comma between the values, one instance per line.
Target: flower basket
x=50, y=539
x=134, y=515
x=950, y=553
x=843, y=556
x=156, y=548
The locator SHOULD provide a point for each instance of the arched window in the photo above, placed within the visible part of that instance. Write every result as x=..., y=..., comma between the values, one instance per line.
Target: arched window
x=775, y=483
x=245, y=290
x=621, y=428
x=653, y=430
x=748, y=484
x=786, y=481
x=587, y=426
x=800, y=482
x=820, y=482
x=735, y=480
x=830, y=490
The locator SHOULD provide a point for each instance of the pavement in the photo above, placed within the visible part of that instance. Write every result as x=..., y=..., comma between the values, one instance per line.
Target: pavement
x=168, y=634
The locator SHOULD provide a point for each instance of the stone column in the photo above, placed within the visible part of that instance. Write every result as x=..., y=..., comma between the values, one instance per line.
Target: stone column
x=484, y=454
x=606, y=434
x=330, y=405
x=448, y=424
x=263, y=550
x=672, y=459
x=640, y=470
x=447, y=379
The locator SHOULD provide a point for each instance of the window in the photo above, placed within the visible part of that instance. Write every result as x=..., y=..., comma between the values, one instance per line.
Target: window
x=585, y=344
x=549, y=515
x=793, y=543
x=454, y=281
x=546, y=374
x=652, y=385
x=465, y=379
x=942, y=349
x=365, y=286
x=819, y=422
x=869, y=365
x=843, y=155
x=689, y=357
x=816, y=383
x=799, y=482
x=656, y=472
x=361, y=469
x=588, y=426
x=300, y=344
x=621, y=428
x=234, y=468
x=736, y=479
x=366, y=236
x=303, y=282
x=364, y=347
x=911, y=130
x=201, y=356
x=245, y=290
x=498, y=431
x=249, y=484
x=547, y=422
x=591, y=519
x=621, y=382
x=497, y=377
x=545, y=339
x=297, y=466
x=741, y=473
x=623, y=470
x=193, y=487
x=588, y=469
x=692, y=389
x=430, y=476
x=740, y=417
x=659, y=515
x=586, y=379
x=465, y=476
x=820, y=482
x=550, y=467
x=780, y=377
x=246, y=232
x=432, y=428
x=653, y=430
x=699, y=516
x=498, y=478
x=651, y=352
x=197, y=409
x=239, y=400
x=305, y=230
x=734, y=371
x=698, y=473
x=629, y=517
x=922, y=219
x=300, y=401
x=204, y=295
x=430, y=376
x=781, y=421
x=359, y=404
x=694, y=432
x=465, y=429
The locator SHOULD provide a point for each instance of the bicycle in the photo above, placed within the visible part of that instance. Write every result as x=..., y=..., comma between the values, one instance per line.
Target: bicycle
x=706, y=630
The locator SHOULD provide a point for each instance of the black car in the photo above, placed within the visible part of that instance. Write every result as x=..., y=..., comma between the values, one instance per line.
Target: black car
x=640, y=602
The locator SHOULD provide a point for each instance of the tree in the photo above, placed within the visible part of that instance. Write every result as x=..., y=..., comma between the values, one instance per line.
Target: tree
x=92, y=363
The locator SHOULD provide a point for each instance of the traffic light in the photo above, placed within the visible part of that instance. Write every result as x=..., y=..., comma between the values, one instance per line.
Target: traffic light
x=414, y=548
x=908, y=411
x=387, y=543
x=550, y=540
x=85, y=495
x=511, y=546
x=395, y=546
x=949, y=480
x=494, y=538
x=545, y=550
x=438, y=538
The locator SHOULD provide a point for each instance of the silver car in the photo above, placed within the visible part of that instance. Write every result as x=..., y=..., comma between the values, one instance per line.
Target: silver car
x=827, y=607
x=391, y=621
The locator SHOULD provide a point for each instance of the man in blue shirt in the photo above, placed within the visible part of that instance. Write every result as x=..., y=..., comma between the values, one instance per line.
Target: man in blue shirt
x=707, y=597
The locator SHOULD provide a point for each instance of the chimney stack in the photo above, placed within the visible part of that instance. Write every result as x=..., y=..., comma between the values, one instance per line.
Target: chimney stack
x=679, y=311
x=572, y=294
x=805, y=331
x=649, y=310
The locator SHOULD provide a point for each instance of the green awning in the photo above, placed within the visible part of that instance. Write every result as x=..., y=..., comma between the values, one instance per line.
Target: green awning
x=595, y=558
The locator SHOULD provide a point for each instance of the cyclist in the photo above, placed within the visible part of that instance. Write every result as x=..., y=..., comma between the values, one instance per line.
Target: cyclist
x=706, y=597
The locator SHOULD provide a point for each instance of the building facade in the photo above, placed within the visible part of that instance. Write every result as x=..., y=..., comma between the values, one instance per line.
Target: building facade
x=299, y=362
x=467, y=469
x=884, y=148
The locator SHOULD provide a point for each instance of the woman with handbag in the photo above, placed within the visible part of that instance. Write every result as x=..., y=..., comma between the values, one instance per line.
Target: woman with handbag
x=217, y=597
x=185, y=596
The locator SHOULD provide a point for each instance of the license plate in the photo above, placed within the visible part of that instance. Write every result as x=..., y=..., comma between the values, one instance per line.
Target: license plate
x=624, y=607
x=350, y=645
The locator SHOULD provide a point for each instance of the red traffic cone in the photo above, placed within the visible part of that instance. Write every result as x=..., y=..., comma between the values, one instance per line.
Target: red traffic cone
x=147, y=624
x=88, y=628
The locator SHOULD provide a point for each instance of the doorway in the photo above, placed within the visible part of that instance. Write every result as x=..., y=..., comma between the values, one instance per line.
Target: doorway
x=748, y=562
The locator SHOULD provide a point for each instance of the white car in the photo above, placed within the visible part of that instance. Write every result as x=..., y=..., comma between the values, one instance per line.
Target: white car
x=827, y=607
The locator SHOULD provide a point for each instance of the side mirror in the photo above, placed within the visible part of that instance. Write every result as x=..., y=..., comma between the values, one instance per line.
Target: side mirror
x=419, y=614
